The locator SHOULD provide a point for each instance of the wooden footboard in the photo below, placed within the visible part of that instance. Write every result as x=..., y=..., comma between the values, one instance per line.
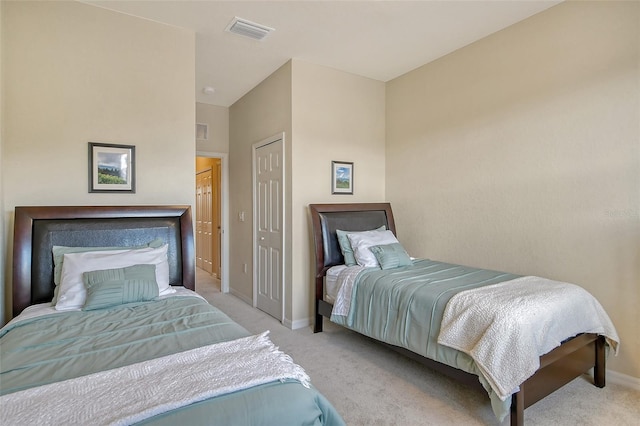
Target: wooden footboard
x=557, y=368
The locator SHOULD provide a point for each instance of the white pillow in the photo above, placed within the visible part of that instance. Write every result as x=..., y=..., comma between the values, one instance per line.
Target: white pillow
x=361, y=241
x=73, y=294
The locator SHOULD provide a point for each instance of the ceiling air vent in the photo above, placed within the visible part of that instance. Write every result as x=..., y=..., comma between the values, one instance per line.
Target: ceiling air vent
x=248, y=29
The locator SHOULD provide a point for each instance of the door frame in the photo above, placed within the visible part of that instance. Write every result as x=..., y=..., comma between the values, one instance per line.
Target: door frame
x=224, y=213
x=254, y=148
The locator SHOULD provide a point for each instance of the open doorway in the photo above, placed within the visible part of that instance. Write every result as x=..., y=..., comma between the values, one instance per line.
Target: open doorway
x=211, y=215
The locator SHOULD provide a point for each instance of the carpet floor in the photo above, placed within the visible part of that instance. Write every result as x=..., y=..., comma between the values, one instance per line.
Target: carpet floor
x=370, y=384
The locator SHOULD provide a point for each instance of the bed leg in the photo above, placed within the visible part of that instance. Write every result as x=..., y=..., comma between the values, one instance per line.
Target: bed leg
x=317, y=326
x=517, y=408
x=599, y=367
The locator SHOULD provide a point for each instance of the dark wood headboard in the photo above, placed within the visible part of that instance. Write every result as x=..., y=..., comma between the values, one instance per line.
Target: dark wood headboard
x=38, y=229
x=325, y=219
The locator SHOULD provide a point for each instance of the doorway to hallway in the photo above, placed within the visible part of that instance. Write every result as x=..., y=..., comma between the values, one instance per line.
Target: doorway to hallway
x=210, y=216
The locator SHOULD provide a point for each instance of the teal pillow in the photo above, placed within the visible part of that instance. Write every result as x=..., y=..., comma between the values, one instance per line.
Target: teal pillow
x=60, y=251
x=345, y=245
x=111, y=287
x=391, y=256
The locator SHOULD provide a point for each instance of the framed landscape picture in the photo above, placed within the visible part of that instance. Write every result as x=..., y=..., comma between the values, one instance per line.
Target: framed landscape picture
x=341, y=177
x=112, y=168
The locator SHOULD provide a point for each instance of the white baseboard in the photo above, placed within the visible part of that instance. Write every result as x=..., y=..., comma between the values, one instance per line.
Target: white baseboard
x=294, y=325
x=244, y=298
x=623, y=380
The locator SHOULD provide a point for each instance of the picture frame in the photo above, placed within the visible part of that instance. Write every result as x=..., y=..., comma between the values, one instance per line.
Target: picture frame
x=112, y=168
x=342, y=177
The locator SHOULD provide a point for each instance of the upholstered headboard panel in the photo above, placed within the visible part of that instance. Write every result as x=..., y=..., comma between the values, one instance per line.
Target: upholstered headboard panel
x=38, y=229
x=326, y=218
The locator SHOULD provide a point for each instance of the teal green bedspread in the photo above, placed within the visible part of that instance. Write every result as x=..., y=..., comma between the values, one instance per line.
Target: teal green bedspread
x=404, y=307
x=72, y=344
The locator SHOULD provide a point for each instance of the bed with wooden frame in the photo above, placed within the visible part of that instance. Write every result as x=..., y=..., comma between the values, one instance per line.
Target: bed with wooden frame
x=156, y=337
x=557, y=368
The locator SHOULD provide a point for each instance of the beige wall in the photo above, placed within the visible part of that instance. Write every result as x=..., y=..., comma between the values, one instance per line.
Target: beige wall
x=521, y=153
x=263, y=112
x=325, y=115
x=3, y=238
x=74, y=73
x=217, y=118
x=336, y=116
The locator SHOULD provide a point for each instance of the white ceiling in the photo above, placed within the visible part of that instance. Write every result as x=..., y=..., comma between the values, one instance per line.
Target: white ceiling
x=376, y=39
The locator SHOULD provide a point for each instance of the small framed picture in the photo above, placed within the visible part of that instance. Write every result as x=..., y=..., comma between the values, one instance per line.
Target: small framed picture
x=341, y=177
x=112, y=168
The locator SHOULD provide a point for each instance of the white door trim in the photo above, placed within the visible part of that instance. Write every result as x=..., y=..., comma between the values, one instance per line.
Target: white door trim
x=224, y=222
x=254, y=148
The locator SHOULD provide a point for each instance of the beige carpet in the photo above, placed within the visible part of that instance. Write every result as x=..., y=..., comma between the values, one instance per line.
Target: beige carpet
x=371, y=385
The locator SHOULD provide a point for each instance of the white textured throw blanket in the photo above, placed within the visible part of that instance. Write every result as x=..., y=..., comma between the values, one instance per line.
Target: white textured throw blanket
x=133, y=393
x=506, y=327
x=346, y=280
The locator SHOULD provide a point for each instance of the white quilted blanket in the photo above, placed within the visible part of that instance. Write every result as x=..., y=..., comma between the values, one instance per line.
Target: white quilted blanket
x=506, y=327
x=346, y=280
x=133, y=393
